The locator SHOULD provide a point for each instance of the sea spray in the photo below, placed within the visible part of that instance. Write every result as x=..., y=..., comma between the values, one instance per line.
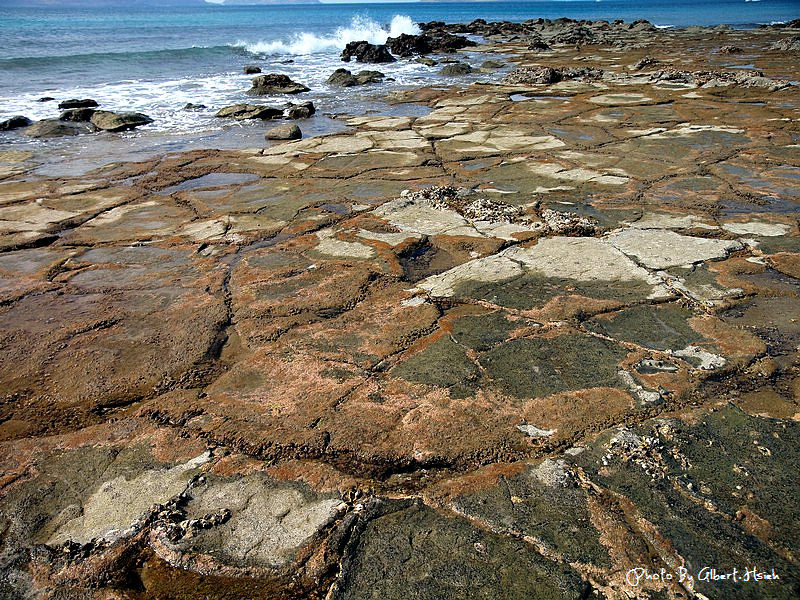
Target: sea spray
x=360, y=28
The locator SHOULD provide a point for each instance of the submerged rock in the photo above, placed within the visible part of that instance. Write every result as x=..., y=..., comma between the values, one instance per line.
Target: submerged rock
x=251, y=69
x=111, y=121
x=274, y=83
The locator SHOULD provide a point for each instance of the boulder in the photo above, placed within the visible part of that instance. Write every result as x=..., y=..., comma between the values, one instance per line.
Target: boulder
x=15, y=122
x=46, y=99
x=112, y=121
x=240, y=112
x=447, y=42
x=50, y=128
x=364, y=77
x=289, y=131
x=365, y=52
x=342, y=78
x=251, y=70
x=730, y=50
x=75, y=103
x=77, y=115
x=455, y=69
x=192, y=106
x=274, y=83
x=427, y=61
x=299, y=111
x=406, y=45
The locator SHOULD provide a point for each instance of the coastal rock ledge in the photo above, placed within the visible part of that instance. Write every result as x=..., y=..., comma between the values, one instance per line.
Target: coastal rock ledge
x=520, y=335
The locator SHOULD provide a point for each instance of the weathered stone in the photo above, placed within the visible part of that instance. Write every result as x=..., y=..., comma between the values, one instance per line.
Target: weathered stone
x=289, y=131
x=56, y=128
x=78, y=115
x=111, y=121
x=365, y=52
x=274, y=83
x=455, y=69
x=242, y=112
x=75, y=103
x=303, y=110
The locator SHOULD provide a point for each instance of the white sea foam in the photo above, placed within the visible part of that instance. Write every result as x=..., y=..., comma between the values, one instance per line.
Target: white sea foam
x=360, y=28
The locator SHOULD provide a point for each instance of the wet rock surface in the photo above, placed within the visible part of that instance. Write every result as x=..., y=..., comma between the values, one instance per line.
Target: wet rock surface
x=366, y=52
x=540, y=336
x=274, y=83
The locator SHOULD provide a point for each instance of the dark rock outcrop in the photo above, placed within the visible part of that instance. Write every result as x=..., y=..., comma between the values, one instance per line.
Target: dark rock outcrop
x=363, y=51
x=193, y=106
x=274, y=83
x=15, y=122
x=640, y=64
x=112, y=121
x=251, y=70
x=76, y=103
x=77, y=115
x=241, y=112
x=455, y=69
x=299, y=111
x=447, y=42
x=406, y=45
x=344, y=78
x=538, y=44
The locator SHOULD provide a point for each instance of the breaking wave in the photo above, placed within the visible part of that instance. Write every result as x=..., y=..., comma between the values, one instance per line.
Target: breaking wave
x=360, y=28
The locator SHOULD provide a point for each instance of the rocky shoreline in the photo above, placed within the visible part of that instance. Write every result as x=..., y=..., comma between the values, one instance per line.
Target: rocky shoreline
x=539, y=337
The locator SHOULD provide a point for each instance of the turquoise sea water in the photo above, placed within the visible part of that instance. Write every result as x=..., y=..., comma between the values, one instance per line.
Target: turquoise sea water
x=157, y=58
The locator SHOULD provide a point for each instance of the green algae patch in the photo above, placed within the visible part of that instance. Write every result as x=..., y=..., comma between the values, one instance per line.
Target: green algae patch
x=533, y=291
x=443, y=557
x=444, y=363
x=547, y=505
x=537, y=367
x=658, y=327
x=482, y=332
x=35, y=509
x=722, y=491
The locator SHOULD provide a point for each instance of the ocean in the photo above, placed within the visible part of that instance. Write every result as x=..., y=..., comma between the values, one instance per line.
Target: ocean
x=155, y=59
